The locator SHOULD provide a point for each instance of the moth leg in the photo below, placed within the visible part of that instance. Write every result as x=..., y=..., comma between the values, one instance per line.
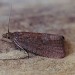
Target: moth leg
x=18, y=44
x=27, y=53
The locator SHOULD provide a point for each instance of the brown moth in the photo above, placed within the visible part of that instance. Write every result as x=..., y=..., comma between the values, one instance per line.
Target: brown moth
x=42, y=44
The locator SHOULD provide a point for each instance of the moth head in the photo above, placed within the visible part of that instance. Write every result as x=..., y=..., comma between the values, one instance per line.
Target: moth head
x=7, y=35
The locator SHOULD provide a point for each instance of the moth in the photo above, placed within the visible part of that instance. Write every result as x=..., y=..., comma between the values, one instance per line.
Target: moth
x=42, y=44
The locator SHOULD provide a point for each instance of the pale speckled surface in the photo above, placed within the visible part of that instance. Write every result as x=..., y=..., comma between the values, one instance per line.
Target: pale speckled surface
x=37, y=65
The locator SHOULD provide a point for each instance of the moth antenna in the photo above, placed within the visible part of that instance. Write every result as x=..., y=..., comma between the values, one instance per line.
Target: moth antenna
x=9, y=18
x=8, y=29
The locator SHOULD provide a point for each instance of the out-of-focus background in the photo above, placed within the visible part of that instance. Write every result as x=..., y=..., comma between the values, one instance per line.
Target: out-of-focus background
x=44, y=16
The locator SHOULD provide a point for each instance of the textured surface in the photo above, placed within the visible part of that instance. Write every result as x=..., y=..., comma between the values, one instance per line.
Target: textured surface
x=56, y=19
